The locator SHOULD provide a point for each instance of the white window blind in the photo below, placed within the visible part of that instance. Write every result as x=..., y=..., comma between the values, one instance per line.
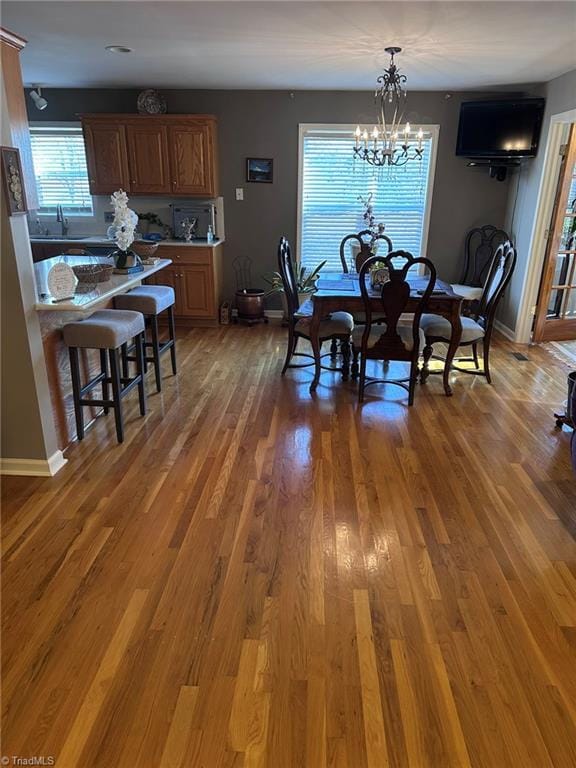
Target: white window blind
x=331, y=182
x=60, y=170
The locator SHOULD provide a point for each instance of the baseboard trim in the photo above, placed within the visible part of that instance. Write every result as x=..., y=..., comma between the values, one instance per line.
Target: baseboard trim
x=33, y=467
x=505, y=331
x=274, y=314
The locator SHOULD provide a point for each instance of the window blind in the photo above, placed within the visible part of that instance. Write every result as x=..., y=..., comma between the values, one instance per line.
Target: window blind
x=332, y=181
x=60, y=169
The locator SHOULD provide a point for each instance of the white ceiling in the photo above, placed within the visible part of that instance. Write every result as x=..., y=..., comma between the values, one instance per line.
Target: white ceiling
x=292, y=45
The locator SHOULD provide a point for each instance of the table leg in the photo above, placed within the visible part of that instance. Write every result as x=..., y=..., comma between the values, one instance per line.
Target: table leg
x=314, y=331
x=455, y=337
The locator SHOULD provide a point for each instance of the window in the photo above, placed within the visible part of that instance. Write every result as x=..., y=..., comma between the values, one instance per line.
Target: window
x=60, y=170
x=331, y=181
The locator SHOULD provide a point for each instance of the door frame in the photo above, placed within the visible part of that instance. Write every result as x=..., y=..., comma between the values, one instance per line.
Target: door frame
x=558, y=328
x=559, y=124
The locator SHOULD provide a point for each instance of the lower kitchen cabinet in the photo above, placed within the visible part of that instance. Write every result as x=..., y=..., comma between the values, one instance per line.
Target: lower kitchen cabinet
x=196, y=276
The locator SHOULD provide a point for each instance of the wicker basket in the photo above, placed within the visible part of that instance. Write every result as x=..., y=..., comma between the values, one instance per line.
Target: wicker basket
x=143, y=249
x=93, y=273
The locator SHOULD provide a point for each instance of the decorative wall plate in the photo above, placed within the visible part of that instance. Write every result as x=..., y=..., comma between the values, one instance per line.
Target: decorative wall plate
x=150, y=102
x=13, y=180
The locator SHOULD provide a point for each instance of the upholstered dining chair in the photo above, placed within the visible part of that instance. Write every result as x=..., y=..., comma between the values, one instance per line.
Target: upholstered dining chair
x=336, y=327
x=479, y=249
x=394, y=335
x=365, y=251
x=478, y=328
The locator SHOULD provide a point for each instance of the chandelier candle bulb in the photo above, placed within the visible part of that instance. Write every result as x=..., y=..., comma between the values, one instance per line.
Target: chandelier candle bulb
x=357, y=135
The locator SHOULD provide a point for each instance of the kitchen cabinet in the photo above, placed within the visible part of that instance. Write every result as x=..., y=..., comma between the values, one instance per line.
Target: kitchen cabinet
x=148, y=158
x=152, y=154
x=106, y=156
x=192, y=160
x=196, y=276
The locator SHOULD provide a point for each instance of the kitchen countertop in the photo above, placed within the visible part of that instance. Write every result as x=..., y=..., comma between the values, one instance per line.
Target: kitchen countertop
x=95, y=240
x=101, y=291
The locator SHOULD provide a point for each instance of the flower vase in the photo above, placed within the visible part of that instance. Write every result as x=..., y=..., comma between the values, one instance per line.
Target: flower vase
x=126, y=262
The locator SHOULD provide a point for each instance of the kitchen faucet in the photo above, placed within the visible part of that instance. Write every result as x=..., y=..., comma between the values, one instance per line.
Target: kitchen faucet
x=63, y=221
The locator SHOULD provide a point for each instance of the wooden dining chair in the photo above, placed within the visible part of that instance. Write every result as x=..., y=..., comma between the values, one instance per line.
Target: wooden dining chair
x=477, y=328
x=479, y=248
x=365, y=251
x=336, y=327
x=392, y=337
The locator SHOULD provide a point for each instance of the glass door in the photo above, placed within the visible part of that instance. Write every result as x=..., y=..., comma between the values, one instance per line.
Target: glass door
x=556, y=309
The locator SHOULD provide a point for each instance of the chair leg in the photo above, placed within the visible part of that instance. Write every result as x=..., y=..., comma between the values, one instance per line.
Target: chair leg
x=75, y=372
x=104, y=370
x=412, y=383
x=292, y=340
x=426, y=355
x=475, y=354
x=486, y=358
x=334, y=349
x=116, y=393
x=125, y=364
x=156, y=352
x=355, y=368
x=172, y=334
x=345, y=349
x=362, y=382
x=139, y=345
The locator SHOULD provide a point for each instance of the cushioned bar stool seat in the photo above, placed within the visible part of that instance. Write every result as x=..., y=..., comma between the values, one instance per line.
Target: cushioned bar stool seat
x=148, y=299
x=151, y=301
x=107, y=330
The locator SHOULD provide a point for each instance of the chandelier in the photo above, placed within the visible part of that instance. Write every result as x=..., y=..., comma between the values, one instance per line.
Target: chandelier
x=389, y=143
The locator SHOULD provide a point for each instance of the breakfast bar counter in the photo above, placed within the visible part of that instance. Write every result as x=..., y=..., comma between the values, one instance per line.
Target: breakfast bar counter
x=54, y=315
x=98, y=293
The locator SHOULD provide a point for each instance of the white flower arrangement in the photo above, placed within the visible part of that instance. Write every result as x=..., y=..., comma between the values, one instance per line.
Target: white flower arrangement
x=125, y=221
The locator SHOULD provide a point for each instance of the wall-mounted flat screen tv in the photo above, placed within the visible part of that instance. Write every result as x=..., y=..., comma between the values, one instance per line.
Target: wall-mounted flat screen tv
x=500, y=129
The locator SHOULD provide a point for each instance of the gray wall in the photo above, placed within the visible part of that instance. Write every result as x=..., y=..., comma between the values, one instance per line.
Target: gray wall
x=560, y=95
x=265, y=124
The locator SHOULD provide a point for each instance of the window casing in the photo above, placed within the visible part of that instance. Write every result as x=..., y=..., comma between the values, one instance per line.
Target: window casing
x=60, y=168
x=331, y=180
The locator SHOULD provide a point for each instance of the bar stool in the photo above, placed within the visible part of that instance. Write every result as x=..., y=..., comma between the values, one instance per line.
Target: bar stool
x=151, y=301
x=107, y=330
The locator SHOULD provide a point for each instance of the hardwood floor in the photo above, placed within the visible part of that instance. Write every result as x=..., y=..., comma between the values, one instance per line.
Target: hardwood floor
x=258, y=577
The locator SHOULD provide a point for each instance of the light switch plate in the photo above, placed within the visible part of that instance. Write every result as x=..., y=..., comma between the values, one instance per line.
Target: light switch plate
x=239, y=193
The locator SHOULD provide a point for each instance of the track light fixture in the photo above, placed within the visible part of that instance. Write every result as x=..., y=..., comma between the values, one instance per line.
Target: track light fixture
x=39, y=101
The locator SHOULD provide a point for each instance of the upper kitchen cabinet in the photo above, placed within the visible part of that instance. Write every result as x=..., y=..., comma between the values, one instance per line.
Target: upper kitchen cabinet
x=106, y=156
x=152, y=154
x=148, y=158
x=193, y=158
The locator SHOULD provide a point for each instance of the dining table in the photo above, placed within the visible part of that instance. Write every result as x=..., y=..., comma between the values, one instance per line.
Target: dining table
x=341, y=293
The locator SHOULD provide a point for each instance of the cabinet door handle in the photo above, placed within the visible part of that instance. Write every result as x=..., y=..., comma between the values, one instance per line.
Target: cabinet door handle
x=174, y=183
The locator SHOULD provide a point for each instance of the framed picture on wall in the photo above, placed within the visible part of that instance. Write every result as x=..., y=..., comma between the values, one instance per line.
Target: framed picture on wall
x=13, y=180
x=259, y=169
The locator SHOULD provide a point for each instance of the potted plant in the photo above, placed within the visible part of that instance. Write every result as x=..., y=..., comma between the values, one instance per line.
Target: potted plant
x=305, y=282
